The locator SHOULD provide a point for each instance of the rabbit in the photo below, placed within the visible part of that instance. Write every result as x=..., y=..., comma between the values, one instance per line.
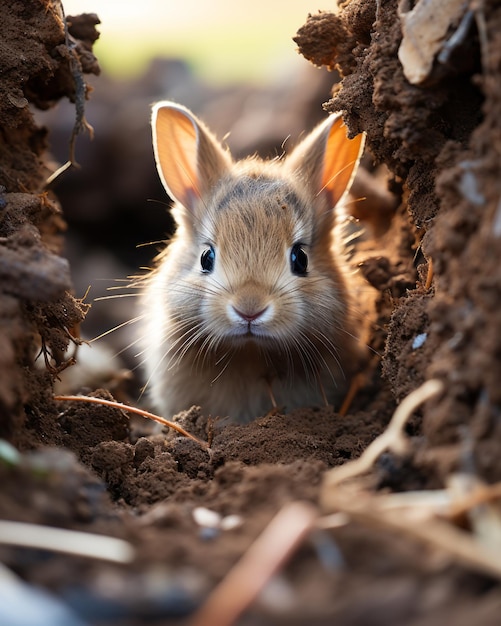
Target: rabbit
x=248, y=307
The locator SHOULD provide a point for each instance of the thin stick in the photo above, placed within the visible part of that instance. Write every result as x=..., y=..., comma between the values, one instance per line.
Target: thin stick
x=67, y=541
x=482, y=494
x=391, y=439
x=322, y=390
x=356, y=384
x=263, y=559
x=132, y=409
x=457, y=543
x=429, y=275
x=270, y=393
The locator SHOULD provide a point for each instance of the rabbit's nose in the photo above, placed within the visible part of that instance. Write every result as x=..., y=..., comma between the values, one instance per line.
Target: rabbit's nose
x=250, y=315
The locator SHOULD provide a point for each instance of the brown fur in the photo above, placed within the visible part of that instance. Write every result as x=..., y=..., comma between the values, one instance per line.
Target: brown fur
x=197, y=347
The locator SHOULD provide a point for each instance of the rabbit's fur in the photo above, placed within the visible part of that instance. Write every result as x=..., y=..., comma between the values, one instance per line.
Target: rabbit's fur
x=252, y=328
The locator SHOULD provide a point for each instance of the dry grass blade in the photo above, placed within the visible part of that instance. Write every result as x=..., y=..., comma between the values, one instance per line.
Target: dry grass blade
x=136, y=411
x=67, y=541
x=356, y=384
x=451, y=504
x=372, y=510
x=429, y=276
x=425, y=516
x=482, y=494
x=392, y=438
x=263, y=559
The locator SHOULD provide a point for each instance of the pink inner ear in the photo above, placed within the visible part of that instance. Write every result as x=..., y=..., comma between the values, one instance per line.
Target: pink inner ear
x=341, y=159
x=176, y=151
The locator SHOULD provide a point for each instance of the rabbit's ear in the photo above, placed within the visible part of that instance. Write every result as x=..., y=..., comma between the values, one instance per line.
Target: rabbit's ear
x=189, y=159
x=326, y=161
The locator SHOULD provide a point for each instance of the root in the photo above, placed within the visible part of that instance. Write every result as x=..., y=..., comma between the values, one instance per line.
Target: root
x=130, y=409
x=392, y=438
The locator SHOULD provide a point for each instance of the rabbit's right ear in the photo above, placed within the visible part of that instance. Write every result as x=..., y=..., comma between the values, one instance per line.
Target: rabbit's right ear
x=326, y=162
x=189, y=159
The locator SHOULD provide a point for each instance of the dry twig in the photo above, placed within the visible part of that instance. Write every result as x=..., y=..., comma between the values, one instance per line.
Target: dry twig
x=263, y=559
x=132, y=409
x=416, y=520
x=67, y=541
x=392, y=438
x=426, y=516
x=81, y=124
x=357, y=383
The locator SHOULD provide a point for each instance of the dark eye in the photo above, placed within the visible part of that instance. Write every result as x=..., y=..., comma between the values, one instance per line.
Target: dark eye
x=207, y=259
x=299, y=260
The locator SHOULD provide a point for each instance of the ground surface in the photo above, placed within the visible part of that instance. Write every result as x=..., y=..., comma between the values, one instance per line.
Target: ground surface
x=89, y=468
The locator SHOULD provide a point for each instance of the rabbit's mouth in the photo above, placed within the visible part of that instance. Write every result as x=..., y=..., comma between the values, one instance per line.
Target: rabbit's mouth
x=250, y=332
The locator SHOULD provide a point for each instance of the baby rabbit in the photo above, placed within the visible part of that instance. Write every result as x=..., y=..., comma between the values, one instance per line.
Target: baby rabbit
x=248, y=306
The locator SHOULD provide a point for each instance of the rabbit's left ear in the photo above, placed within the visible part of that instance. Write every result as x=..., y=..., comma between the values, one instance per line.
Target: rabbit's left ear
x=326, y=160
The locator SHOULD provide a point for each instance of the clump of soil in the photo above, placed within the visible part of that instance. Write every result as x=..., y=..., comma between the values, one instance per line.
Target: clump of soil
x=41, y=63
x=439, y=139
x=92, y=468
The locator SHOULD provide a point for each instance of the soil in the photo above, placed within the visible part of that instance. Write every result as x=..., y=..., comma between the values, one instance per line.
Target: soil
x=93, y=468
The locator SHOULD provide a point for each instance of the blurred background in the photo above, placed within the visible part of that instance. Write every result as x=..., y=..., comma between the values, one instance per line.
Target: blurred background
x=233, y=64
x=223, y=41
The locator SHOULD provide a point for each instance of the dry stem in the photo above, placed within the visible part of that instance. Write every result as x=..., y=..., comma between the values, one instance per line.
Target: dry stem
x=67, y=541
x=132, y=409
x=263, y=559
x=371, y=510
x=392, y=438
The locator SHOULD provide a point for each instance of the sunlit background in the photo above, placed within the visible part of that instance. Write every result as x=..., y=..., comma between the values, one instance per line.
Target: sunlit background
x=232, y=63
x=223, y=40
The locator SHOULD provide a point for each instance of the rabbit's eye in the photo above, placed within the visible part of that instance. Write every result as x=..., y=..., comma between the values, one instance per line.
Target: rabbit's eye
x=299, y=260
x=207, y=260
